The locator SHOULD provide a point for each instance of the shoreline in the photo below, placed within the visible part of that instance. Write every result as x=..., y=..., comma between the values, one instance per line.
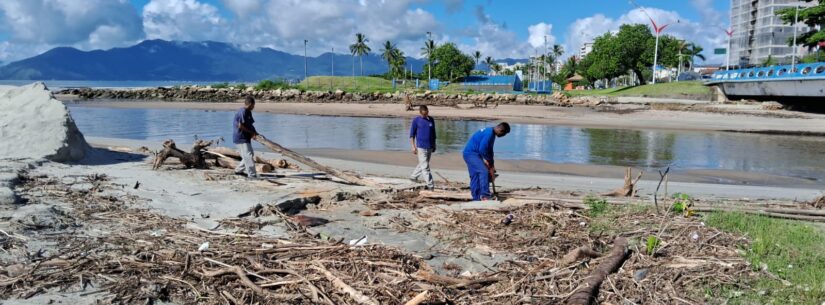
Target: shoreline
x=592, y=179
x=802, y=124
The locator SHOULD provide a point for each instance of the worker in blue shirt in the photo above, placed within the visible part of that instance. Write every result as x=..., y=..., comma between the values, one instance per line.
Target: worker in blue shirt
x=478, y=154
x=242, y=135
x=422, y=140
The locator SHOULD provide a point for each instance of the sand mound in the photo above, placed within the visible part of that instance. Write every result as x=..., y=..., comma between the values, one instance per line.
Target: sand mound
x=34, y=125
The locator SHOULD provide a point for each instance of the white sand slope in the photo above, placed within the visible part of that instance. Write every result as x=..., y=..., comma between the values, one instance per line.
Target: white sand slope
x=34, y=125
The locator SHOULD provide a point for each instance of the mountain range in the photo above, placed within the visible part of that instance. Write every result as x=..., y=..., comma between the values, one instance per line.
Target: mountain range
x=160, y=60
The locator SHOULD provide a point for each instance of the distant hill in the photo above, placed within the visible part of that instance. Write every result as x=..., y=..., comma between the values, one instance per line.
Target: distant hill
x=155, y=60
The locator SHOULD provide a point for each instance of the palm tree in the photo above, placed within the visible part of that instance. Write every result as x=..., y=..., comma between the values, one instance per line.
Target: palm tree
x=477, y=56
x=390, y=54
x=694, y=50
x=489, y=62
x=558, y=51
x=399, y=60
x=496, y=68
x=427, y=50
x=360, y=48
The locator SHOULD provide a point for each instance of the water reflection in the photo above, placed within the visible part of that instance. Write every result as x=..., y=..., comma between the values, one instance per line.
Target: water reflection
x=785, y=155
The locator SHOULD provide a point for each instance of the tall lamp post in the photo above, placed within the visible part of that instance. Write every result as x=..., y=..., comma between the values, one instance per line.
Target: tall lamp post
x=332, y=74
x=730, y=45
x=795, y=48
x=429, y=59
x=658, y=31
x=656, y=48
x=305, y=58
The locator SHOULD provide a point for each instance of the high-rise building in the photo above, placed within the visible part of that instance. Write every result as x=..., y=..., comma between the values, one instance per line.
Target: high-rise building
x=585, y=49
x=758, y=32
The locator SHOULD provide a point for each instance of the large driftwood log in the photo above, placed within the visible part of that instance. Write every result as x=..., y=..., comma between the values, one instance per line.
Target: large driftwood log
x=192, y=159
x=586, y=291
x=230, y=163
x=311, y=163
x=228, y=152
x=629, y=187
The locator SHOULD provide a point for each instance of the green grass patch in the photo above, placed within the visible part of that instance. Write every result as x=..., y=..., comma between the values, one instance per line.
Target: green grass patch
x=597, y=205
x=672, y=89
x=350, y=84
x=273, y=85
x=795, y=251
x=224, y=85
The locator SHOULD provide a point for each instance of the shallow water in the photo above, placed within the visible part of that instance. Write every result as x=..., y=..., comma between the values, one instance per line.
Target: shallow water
x=794, y=156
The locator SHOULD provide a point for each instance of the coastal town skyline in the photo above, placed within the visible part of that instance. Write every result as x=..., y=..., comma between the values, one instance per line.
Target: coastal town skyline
x=495, y=28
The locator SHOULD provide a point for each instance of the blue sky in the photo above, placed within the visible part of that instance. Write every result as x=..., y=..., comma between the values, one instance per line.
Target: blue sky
x=497, y=28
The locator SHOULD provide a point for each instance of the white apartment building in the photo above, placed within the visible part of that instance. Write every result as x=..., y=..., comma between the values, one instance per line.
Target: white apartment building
x=585, y=49
x=758, y=32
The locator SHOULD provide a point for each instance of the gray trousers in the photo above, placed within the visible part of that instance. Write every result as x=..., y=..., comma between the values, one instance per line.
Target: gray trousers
x=247, y=164
x=423, y=168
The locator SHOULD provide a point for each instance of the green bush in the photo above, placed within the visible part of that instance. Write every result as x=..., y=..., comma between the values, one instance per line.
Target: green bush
x=651, y=245
x=272, y=85
x=681, y=203
x=220, y=85
x=597, y=205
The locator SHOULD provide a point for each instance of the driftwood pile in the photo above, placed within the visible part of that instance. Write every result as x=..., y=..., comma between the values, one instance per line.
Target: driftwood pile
x=567, y=257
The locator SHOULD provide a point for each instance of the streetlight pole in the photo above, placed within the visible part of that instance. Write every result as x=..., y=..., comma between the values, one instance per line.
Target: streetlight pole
x=305, y=58
x=656, y=48
x=429, y=58
x=730, y=45
x=795, y=48
x=332, y=75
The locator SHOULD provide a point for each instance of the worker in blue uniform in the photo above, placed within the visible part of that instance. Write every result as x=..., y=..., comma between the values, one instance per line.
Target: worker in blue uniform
x=478, y=154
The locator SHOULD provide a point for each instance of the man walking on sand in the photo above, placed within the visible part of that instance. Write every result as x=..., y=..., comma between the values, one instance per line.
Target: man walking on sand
x=478, y=154
x=242, y=136
x=422, y=140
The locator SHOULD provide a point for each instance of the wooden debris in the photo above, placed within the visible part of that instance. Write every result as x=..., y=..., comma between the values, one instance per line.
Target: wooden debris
x=307, y=221
x=577, y=254
x=192, y=159
x=354, y=179
x=356, y=295
x=629, y=187
x=234, y=154
x=590, y=285
x=419, y=298
x=232, y=164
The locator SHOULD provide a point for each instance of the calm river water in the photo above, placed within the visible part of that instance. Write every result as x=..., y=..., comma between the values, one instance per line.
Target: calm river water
x=783, y=155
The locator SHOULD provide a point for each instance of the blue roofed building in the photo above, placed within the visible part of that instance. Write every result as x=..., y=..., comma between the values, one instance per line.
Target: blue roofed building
x=497, y=83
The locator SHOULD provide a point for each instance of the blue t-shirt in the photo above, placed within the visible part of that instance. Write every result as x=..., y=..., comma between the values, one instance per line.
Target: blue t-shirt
x=481, y=143
x=242, y=117
x=423, y=130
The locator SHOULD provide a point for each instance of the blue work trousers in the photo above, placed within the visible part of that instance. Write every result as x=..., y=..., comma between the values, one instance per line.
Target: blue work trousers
x=479, y=176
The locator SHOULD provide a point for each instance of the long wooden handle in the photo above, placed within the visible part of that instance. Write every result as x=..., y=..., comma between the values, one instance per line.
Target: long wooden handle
x=311, y=163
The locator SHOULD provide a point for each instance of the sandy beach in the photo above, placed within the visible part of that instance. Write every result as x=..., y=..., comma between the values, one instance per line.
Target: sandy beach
x=108, y=226
x=739, y=118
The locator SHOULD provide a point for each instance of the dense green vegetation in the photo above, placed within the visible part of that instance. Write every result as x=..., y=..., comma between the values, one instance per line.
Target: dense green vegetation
x=632, y=49
x=657, y=90
x=449, y=64
x=792, y=250
x=813, y=17
x=347, y=83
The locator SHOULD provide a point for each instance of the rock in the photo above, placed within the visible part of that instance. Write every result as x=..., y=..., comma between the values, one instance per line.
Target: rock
x=34, y=125
x=640, y=274
x=338, y=94
x=772, y=106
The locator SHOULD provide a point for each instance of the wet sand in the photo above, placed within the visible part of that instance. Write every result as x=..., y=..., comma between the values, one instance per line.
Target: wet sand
x=748, y=118
x=454, y=161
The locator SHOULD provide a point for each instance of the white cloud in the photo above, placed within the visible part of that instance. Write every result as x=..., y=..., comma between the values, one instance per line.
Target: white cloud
x=34, y=25
x=709, y=37
x=183, y=20
x=538, y=33
x=493, y=39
